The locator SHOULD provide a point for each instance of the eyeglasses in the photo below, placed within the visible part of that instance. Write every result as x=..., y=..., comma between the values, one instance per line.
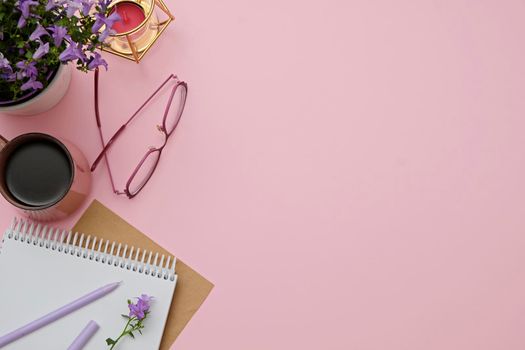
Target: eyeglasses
x=146, y=167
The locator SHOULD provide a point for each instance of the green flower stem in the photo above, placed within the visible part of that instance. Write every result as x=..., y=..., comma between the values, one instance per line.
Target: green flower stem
x=124, y=332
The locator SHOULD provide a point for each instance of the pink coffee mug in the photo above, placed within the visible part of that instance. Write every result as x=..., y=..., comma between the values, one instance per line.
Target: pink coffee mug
x=44, y=177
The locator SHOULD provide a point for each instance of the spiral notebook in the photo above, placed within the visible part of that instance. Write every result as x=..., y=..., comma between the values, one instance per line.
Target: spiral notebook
x=44, y=268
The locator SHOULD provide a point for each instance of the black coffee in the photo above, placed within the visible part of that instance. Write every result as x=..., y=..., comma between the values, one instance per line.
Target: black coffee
x=38, y=173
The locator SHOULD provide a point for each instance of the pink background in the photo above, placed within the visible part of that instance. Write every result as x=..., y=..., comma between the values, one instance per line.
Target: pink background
x=348, y=173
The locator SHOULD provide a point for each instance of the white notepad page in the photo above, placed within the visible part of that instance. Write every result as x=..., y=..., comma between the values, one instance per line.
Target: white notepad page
x=37, y=276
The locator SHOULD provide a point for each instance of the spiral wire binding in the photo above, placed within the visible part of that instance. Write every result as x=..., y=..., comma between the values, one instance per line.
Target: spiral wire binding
x=92, y=248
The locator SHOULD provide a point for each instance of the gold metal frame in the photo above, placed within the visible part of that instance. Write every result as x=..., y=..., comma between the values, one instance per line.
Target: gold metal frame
x=135, y=55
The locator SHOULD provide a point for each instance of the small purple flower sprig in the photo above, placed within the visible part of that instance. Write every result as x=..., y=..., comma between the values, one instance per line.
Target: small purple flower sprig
x=36, y=36
x=138, y=312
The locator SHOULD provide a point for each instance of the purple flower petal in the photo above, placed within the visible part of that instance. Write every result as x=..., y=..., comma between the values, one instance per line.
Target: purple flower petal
x=21, y=22
x=86, y=6
x=104, y=34
x=72, y=7
x=51, y=4
x=135, y=311
x=112, y=18
x=141, y=307
x=101, y=20
x=72, y=52
x=24, y=6
x=104, y=4
x=31, y=84
x=58, y=34
x=38, y=32
x=4, y=62
x=6, y=71
x=26, y=69
x=145, y=300
x=41, y=51
x=97, y=61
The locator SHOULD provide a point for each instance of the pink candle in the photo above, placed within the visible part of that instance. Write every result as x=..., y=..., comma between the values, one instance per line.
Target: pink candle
x=131, y=14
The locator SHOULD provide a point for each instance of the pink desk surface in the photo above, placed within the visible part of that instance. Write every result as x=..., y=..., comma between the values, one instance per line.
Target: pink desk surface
x=349, y=174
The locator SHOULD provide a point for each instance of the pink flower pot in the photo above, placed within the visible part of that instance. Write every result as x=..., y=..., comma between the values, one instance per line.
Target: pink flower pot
x=47, y=98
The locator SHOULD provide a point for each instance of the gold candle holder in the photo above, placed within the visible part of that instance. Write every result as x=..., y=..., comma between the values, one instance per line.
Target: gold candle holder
x=134, y=44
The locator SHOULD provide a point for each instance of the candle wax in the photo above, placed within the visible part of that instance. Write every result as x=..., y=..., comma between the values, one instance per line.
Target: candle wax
x=132, y=15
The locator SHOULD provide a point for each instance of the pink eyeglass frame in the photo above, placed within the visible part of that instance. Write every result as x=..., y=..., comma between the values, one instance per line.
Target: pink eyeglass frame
x=162, y=128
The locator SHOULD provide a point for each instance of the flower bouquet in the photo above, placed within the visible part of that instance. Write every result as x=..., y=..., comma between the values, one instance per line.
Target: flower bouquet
x=38, y=37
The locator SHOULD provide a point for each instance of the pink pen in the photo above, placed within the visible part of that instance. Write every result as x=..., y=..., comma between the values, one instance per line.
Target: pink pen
x=55, y=315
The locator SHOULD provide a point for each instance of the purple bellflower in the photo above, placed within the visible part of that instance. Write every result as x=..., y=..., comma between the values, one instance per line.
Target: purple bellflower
x=32, y=83
x=58, y=33
x=24, y=7
x=6, y=71
x=72, y=52
x=140, y=308
x=96, y=61
x=51, y=4
x=86, y=6
x=72, y=7
x=41, y=51
x=38, y=32
x=101, y=20
x=4, y=62
x=138, y=313
x=26, y=69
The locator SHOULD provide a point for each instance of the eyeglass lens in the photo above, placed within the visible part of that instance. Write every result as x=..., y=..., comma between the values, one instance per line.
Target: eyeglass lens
x=176, y=109
x=143, y=172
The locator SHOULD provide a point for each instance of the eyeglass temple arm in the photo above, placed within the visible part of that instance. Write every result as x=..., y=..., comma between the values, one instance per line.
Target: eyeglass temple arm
x=99, y=126
x=172, y=76
x=119, y=131
x=102, y=154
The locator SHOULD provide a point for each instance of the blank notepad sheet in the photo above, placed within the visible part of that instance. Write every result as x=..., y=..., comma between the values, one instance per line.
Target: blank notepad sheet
x=39, y=274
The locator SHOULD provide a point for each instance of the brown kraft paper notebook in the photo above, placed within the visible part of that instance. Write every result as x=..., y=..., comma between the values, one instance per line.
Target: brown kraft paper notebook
x=192, y=289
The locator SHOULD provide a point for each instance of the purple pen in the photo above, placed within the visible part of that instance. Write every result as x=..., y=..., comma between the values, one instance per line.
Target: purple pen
x=55, y=315
x=84, y=336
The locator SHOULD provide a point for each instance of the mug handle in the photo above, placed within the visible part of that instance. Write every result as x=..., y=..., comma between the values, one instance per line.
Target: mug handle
x=3, y=142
